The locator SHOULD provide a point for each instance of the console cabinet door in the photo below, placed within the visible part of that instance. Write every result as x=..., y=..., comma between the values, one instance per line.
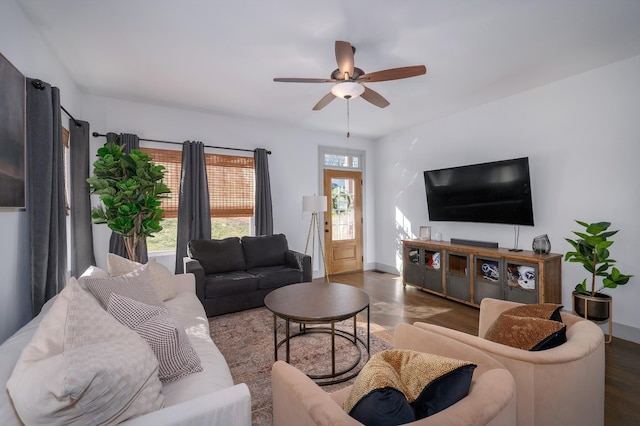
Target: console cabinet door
x=487, y=275
x=458, y=281
x=521, y=282
x=432, y=270
x=412, y=268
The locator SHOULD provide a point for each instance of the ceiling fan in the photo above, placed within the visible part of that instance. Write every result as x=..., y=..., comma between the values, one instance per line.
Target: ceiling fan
x=349, y=79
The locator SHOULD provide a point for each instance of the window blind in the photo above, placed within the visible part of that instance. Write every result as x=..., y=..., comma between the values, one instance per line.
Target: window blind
x=230, y=178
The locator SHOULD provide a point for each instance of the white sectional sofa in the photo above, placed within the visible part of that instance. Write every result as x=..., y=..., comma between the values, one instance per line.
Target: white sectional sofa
x=208, y=397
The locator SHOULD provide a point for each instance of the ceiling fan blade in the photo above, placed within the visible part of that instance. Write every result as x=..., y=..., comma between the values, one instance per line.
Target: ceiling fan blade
x=304, y=80
x=374, y=97
x=394, y=74
x=344, y=58
x=324, y=101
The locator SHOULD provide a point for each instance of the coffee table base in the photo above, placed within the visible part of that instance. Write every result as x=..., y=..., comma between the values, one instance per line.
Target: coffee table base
x=335, y=376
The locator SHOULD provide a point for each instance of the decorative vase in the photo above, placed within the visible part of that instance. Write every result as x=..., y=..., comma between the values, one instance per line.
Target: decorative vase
x=541, y=244
x=597, y=306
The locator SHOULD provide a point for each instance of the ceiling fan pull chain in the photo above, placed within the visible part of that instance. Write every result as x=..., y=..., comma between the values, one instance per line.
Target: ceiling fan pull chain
x=348, y=132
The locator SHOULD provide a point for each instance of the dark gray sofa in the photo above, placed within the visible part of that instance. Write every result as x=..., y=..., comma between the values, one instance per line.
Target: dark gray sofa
x=235, y=274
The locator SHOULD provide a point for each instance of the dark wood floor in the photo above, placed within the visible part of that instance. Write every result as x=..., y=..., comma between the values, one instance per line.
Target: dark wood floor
x=391, y=304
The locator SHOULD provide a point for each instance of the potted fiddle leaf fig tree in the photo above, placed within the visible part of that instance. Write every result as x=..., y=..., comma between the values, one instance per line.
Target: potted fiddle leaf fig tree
x=130, y=187
x=591, y=249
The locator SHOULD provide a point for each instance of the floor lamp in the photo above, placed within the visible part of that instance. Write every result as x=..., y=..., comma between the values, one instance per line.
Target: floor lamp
x=315, y=204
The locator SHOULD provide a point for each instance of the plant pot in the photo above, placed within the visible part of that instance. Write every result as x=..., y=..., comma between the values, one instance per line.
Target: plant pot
x=598, y=306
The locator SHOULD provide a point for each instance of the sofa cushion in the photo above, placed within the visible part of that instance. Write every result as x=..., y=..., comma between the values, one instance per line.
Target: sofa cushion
x=430, y=383
x=77, y=369
x=161, y=277
x=276, y=276
x=135, y=285
x=527, y=333
x=265, y=250
x=215, y=374
x=164, y=334
x=230, y=283
x=218, y=256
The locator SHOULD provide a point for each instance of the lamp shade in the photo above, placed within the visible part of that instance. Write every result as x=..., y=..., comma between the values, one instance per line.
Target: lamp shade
x=314, y=203
x=347, y=90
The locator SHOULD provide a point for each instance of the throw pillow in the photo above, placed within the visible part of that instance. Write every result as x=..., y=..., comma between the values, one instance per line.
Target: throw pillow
x=78, y=367
x=383, y=407
x=161, y=277
x=429, y=383
x=265, y=250
x=549, y=311
x=162, y=331
x=136, y=285
x=527, y=333
x=217, y=256
x=91, y=271
x=94, y=271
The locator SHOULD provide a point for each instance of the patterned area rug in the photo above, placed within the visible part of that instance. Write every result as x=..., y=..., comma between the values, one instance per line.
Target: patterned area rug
x=246, y=341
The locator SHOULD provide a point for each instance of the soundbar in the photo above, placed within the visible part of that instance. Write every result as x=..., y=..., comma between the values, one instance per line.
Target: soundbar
x=488, y=244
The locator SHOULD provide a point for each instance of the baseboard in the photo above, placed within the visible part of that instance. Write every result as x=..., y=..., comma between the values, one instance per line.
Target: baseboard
x=622, y=331
x=384, y=268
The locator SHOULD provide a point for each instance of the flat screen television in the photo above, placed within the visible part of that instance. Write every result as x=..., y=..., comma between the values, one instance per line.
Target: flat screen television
x=495, y=192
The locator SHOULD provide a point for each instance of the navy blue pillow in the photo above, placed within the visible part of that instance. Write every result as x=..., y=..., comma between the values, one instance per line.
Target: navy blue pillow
x=444, y=391
x=383, y=407
x=552, y=340
x=392, y=378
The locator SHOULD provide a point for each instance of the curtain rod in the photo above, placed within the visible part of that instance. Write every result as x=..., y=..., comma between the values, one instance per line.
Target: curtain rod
x=96, y=134
x=39, y=84
x=71, y=117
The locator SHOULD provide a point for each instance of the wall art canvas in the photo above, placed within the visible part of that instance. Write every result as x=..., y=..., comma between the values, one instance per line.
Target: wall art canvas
x=12, y=136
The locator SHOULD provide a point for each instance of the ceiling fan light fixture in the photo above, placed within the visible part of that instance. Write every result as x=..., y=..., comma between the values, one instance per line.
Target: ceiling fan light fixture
x=347, y=90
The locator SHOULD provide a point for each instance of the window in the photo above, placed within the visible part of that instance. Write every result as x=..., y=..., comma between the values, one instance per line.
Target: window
x=231, y=196
x=342, y=161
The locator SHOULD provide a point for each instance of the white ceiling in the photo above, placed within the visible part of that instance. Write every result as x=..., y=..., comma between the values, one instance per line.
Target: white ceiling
x=221, y=56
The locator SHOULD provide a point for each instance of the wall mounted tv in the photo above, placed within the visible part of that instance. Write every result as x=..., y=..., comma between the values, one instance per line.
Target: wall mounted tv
x=496, y=192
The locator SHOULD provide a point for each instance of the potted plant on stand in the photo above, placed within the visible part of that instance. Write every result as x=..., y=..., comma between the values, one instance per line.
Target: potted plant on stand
x=130, y=187
x=591, y=249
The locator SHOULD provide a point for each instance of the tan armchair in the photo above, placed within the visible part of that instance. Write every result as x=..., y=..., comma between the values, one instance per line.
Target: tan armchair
x=560, y=386
x=298, y=401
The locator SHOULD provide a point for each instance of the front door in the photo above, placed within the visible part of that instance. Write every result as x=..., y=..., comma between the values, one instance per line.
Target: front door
x=343, y=221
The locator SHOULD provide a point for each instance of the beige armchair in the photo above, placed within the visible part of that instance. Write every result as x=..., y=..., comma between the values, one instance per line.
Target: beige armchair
x=560, y=386
x=298, y=401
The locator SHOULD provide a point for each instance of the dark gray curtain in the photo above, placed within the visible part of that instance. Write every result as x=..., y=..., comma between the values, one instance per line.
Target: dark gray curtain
x=194, y=212
x=129, y=142
x=264, y=212
x=45, y=189
x=82, y=255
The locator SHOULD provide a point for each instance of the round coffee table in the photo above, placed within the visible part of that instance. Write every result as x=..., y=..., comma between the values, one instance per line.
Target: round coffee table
x=320, y=303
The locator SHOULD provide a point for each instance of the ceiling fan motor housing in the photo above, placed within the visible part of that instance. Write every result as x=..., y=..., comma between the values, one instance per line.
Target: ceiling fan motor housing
x=337, y=75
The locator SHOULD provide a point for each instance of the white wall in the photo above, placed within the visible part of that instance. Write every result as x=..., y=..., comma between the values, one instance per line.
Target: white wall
x=293, y=164
x=22, y=45
x=581, y=137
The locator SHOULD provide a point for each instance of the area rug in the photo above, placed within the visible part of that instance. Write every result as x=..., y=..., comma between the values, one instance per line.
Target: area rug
x=246, y=341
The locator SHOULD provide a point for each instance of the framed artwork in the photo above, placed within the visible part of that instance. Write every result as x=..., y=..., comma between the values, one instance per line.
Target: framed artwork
x=12, y=136
x=425, y=232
